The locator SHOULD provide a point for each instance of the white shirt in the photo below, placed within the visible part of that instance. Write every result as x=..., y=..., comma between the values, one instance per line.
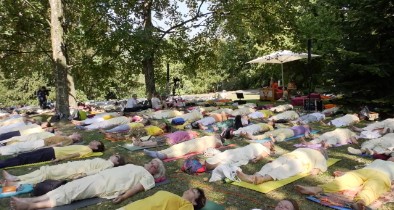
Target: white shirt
x=131, y=103
x=156, y=104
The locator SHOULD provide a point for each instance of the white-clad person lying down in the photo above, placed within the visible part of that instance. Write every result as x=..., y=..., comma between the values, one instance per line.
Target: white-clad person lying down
x=339, y=136
x=299, y=161
x=376, y=129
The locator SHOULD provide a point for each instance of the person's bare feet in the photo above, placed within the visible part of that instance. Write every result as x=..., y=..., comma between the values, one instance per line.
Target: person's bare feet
x=9, y=177
x=244, y=177
x=302, y=141
x=359, y=206
x=18, y=204
x=308, y=190
x=338, y=173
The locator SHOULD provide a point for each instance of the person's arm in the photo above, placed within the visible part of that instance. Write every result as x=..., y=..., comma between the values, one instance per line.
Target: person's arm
x=67, y=157
x=134, y=190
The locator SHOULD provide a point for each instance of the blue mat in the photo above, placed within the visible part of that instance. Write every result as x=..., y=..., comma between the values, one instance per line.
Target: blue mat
x=288, y=139
x=316, y=200
x=22, y=189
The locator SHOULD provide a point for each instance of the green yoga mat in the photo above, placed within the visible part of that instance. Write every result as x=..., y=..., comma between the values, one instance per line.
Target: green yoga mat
x=267, y=187
x=210, y=205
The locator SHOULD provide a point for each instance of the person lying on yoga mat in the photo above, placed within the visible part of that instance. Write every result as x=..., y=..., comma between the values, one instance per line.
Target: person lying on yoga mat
x=345, y=120
x=282, y=133
x=163, y=114
x=195, y=145
x=383, y=146
x=53, y=154
x=29, y=137
x=339, y=136
x=138, y=132
x=53, y=141
x=68, y=170
x=299, y=161
x=191, y=117
x=309, y=118
x=374, y=180
x=211, y=119
x=193, y=198
x=282, y=108
x=261, y=114
x=120, y=183
x=26, y=130
x=376, y=129
x=126, y=127
x=255, y=128
x=241, y=156
x=285, y=116
x=168, y=139
x=106, y=124
x=97, y=118
x=242, y=111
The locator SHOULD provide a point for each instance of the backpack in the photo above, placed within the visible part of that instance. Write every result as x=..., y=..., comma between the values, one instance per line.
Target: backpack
x=46, y=186
x=178, y=121
x=193, y=166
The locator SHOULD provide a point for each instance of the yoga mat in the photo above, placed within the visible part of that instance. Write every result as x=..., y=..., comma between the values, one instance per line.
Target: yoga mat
x=79, y=204
x=94, y=154
x=24, y=188
x=92, y=201
x=195, y=153
x=210, y=205
x=267, y=187
x=316, y=200
x=287, y=139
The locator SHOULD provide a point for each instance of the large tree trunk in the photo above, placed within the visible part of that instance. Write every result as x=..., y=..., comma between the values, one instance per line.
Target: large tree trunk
x=148, y=61
x=64, y=81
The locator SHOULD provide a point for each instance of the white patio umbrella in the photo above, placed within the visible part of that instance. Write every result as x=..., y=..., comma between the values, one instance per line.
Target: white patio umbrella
x=281, y=57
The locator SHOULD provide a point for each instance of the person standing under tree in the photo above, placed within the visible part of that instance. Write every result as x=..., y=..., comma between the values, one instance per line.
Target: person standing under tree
x=42, y=94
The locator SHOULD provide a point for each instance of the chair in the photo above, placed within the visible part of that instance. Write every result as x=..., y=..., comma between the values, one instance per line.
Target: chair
x=240, y=96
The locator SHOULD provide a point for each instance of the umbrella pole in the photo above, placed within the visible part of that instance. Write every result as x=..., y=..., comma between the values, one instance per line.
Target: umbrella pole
x=283, y=81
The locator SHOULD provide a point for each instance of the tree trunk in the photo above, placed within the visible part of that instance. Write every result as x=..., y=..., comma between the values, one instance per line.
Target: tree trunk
x=148, y=61
x=64, y=81
x=149, y=73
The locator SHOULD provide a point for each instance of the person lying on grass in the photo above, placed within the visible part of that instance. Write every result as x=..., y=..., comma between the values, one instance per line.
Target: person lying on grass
x=26, y=130
x=106, y=123
x=255, y=128
x=68, y=170
x=339, y=136
x=54, y=154
x=53, y=141
x=193, y=198
x=119, y=183
x=168, y=139
x=241, y=156
x=282, y=133
x=379, y=146
x=345, y=120
x=285, y=116
x=299, y=161
x=209, y=120
x=374, y=180
x=376, y=129
x=310, y=118
x=197, y=145
x=97, y=118
x=137, y=132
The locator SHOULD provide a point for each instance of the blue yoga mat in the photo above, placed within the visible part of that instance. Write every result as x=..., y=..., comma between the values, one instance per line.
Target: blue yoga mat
x=288, y=139
x=316, y=200
x=22, y=189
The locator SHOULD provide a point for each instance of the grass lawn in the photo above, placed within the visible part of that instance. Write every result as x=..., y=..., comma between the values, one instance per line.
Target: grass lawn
x=230, y=196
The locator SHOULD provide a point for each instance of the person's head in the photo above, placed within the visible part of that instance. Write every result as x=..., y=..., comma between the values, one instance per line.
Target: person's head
x=117, y=160
x=156, y=168
x=287, y=204
x=391, y=159
x=76, y=137
x=271, y=123
x=196, y=196
x=238, y=122
x=270, y=145
x=97, y=146
x=134, y=96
